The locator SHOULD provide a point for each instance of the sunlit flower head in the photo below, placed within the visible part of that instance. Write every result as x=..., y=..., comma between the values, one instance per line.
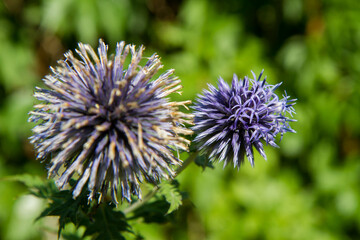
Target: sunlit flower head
x=109, y=124
x=230, y=121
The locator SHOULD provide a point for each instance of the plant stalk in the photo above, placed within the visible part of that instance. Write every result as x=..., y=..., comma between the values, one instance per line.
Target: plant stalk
x=152, y=193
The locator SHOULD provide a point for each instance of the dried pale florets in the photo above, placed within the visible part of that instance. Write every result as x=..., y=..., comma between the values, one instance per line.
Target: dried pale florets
x=111, y=125
x=230, y=121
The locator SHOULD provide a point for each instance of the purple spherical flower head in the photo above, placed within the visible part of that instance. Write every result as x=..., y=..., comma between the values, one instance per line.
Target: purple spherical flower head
x=109, y=123
x=230, y=121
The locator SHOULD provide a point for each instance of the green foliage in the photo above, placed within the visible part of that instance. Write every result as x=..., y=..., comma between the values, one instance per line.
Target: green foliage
x=107, y=223
x=200, y=159
x=311, y=46
x=36, y=185
x=172, y=195
x=153, y=212
x=203, y=162
x=101, y=221
x=68, y=210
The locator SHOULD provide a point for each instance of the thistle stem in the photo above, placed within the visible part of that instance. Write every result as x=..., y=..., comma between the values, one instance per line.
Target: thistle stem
x=186, y=163
x=139, y=203
x=152, y=193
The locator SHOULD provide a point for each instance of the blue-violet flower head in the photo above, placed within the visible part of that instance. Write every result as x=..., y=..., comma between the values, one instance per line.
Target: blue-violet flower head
x=230, y=121
x=109, y=123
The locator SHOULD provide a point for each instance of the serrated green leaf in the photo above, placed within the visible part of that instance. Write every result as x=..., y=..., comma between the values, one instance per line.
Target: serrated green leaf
x=172, y=195
x=100, y=221
x=41, y=188
x=67, y=209
x=27, y=179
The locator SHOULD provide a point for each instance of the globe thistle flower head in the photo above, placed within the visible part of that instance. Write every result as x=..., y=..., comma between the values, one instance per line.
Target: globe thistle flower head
x=231, y=121
x=109, y=123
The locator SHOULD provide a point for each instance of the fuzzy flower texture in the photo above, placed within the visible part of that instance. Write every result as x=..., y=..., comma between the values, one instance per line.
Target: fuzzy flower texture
x=109, y=124
x=230, y=121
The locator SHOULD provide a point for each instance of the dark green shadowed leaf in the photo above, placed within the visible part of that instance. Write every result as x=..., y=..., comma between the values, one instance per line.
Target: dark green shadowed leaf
x=203, y=161
x=200, y=160
x=71, y=237
x=153, y=212
x=68, y=210
x=161, y=209
x=107, y=223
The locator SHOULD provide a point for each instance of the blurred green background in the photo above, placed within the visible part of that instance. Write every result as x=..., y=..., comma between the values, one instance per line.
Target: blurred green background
x=308, y=189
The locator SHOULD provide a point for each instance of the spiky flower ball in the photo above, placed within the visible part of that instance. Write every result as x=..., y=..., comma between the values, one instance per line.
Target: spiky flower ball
x=109, y=123
x=230, y=121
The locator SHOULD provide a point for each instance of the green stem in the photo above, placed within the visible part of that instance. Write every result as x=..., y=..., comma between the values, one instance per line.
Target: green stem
x=152, y=193
x=186, y=163
x=139, y=203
